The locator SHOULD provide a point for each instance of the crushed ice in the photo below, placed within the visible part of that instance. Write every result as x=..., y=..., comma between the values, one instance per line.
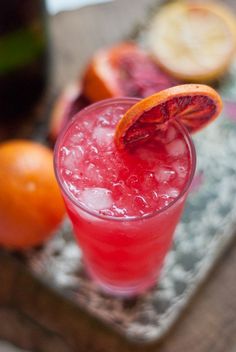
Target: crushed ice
x=176, y=148
x=97, y=198
x=164, y=174
x=72, y=157
x=172, y=192
x=103, y=135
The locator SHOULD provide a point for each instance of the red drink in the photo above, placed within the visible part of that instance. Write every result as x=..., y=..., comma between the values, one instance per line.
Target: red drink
x=124, y=206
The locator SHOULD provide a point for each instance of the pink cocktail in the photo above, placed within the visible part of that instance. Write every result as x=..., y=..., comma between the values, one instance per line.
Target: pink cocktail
x=124, y=205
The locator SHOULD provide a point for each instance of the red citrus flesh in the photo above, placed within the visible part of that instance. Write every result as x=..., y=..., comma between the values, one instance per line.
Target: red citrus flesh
x=69, y=102
x=123, y=70
x=195, y=105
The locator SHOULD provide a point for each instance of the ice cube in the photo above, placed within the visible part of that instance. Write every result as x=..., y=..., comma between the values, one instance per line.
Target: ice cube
x=164, y=174
x=72, y=157
x=77, y=138
x=88, y=124
x=118, y=112
x=176, y=148
x=180, y=168
x=103, y=121
x=172, y=192
x=103, y=135
x=97, y=198
x=92, y=173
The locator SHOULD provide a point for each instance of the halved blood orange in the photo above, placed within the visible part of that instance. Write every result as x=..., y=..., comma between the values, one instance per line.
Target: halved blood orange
x=193, y=41
x=69, y=102
x=195, y=105
x=123, y=70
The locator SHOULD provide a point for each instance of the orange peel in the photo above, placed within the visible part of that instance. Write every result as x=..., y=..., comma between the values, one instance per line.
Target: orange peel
x=195, y=105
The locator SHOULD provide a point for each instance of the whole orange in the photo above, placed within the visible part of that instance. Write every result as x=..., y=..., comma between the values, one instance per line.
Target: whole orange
x=31, y=206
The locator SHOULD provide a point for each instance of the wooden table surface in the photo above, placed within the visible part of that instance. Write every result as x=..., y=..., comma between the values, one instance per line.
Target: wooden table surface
x=209, y=322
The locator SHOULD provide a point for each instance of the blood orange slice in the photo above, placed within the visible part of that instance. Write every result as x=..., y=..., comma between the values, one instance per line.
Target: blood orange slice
x=123, y=70
x=193, y=41
x=195, y=105
x=69, y=102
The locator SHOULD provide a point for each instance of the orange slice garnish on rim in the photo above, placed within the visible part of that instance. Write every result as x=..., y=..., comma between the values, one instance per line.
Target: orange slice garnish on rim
x=193, y=41
x=195, y=105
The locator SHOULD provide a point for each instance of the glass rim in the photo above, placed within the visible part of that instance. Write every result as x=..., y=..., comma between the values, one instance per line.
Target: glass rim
x=79, y=205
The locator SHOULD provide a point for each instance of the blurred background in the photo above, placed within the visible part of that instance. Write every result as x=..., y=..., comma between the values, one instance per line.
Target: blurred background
x=52, y=7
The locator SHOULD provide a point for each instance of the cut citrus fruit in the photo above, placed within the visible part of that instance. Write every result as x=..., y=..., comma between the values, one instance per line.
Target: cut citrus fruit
x=193, y=41
x=123, y=70
x=69, y=102
x=195, y=105
x=31, y=206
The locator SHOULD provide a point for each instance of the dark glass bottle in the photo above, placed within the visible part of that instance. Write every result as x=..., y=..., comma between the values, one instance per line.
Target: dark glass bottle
x=23, y=57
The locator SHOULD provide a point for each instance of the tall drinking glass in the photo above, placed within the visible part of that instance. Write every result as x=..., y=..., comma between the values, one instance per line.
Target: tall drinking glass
x=124, y=205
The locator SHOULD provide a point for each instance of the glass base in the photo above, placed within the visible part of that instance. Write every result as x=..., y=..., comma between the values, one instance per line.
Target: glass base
x=132, y=290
